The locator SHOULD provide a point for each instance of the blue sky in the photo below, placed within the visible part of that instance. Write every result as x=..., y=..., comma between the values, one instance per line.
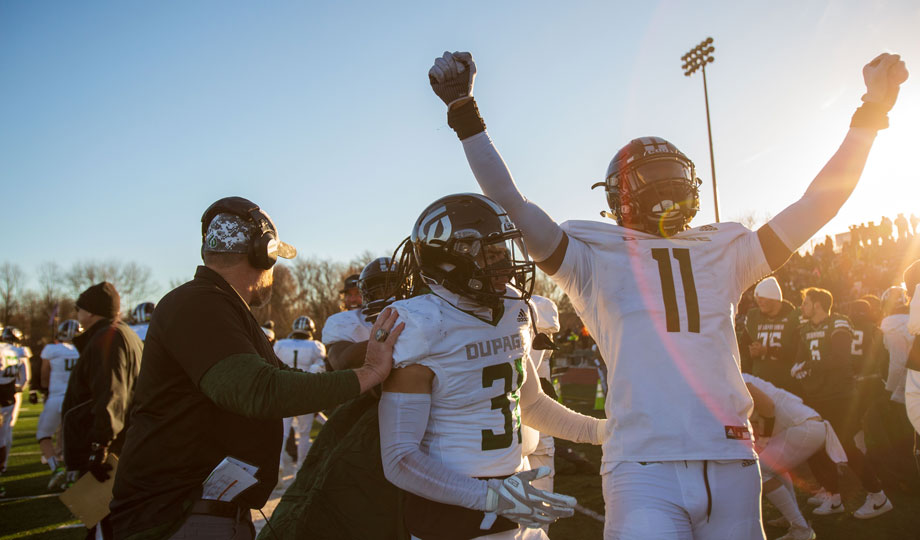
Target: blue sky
x=121, y=122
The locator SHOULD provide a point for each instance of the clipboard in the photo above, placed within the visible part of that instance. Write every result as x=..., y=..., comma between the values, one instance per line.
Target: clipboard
x=88, y=499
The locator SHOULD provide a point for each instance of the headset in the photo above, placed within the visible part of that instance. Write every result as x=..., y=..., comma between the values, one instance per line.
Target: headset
x=263, y=247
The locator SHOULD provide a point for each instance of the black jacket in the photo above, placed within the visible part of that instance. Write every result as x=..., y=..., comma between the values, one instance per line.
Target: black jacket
x=100, y=390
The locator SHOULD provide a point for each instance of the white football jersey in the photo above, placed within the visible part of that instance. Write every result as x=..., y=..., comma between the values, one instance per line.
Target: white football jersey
x=547, y=322
x=140, y=330
x=14, y=364
x=302, y=354
x=898, y=341
x=662, y=312
x=789, y=410
x=62, y=357
x=349, y=326
x=474, y=426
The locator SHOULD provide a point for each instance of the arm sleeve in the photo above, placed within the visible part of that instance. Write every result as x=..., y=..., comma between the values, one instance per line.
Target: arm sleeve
x=912, y=398
x=541, y=234
x=246, y=385
x=546, y=415
x=403, y=419
x=826, y=193
x=110, y=388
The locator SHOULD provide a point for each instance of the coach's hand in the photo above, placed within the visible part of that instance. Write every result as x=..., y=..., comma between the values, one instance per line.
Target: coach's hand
x=379, y=358
x=452, y=76
x=97, y=465
x=884, y=76
x=515, y=499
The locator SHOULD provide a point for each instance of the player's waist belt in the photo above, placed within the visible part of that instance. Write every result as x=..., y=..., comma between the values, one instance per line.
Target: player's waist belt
x=221, y=509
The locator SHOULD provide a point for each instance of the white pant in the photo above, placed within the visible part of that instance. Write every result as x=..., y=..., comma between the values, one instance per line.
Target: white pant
x=6, y=431
x=304, y=425
x=790, y=447
x=669, y=500
x=50, y=419
x=544, y=456
x=517, y=534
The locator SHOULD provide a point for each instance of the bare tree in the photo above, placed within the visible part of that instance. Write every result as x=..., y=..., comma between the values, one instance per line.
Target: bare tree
x=132, y=280
x=318, y=285
x=11, y=283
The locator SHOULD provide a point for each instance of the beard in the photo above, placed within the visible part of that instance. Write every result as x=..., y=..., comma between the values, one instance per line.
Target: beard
x=262, y=293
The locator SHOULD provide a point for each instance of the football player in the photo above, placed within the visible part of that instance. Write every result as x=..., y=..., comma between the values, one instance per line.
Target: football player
x=463, y=383
x=658, y=296
x=141, y=315
x=378, y=283
x=345, y=333
x=540, y=448
x=14, y=375
x=300, y=351
x=823, y=366
x=773, y=330
x=790, y=433
x=58, y=360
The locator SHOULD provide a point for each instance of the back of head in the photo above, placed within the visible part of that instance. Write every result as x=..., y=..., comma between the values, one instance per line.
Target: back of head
x=68, y=329
x=142, y=312
x=101, y=299
x=303, y=328
x=820, y=296
x=468, y=244
x=232, y=227
x=652, y=187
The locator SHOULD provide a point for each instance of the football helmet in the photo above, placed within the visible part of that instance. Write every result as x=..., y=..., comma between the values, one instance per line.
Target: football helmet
x=652, y=187
x=350, y=292
x=894, y=297
x=303, y=326
x=68, y=329
x=11, y=334
x=378, y=283
x=467, y=243
x=142, y=312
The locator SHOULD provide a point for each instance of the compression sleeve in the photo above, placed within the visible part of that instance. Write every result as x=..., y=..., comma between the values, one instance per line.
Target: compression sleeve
x=403, y=420
x=548, y=416
x=246, y=385
x=912, y=397
x=827, y=192
x=541, y=234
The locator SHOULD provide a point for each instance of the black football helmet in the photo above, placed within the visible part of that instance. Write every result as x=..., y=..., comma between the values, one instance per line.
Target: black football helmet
x=11, y=334
x=378, y=284
x=652, y=187
x=303, y=326
x=142, y=312
x=68, y=329
x=467, y=243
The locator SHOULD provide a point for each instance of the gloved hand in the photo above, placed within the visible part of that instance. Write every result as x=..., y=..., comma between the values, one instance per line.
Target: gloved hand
x=515, y=499
x=799, y=371
x=452, y=76
x=884, y=76
x=33, y=397
x=97, y=465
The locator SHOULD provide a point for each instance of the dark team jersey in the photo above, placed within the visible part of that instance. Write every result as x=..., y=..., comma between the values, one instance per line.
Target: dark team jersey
x=867, y=349
x=779, y=336
x=827, y=375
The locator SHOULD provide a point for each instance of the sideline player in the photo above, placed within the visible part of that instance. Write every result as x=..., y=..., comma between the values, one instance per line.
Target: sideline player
x=463, y=382
x=141, y=315
x=14, y=376
x=58, y=360
x=773, y=330
x=345, y=333
x=658, y=297
x=300, y=351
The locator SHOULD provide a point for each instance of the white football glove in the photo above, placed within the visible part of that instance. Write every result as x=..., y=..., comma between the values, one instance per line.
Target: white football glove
x=799, y=371
x=452, y=76
x=883, y=77
x=515, y=499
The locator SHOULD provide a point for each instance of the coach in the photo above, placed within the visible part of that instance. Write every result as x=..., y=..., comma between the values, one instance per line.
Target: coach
x=211, y=387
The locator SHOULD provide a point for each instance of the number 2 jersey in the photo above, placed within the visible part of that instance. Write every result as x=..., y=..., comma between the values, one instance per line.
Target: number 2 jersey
x=62, y=358
x=662, y=312
x=474, y=425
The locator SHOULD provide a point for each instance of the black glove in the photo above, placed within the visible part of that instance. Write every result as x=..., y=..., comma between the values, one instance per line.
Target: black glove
x=97, y=465
x=452, y=76
x=33, y=397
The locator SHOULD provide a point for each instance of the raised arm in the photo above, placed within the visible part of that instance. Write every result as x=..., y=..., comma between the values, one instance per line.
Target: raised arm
x=452, y=78
x=830, y=189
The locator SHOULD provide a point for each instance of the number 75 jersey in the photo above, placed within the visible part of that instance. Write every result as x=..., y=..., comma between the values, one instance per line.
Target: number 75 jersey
x=662, y=313
x=474, y=425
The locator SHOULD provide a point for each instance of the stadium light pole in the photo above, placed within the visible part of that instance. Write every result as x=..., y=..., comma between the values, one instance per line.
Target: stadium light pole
x=697, y=58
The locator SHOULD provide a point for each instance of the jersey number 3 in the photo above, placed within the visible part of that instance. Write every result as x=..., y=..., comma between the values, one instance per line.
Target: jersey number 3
x=502, y=402
x=668, y=293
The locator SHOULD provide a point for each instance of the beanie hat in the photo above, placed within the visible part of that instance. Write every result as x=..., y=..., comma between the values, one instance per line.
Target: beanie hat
x=101, y=299
x=769, y=288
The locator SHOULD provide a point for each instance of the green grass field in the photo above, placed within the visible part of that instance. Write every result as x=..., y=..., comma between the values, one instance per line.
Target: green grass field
x=29, y=511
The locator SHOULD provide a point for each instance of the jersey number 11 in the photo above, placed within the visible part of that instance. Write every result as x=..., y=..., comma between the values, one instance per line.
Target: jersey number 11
x=668, y=293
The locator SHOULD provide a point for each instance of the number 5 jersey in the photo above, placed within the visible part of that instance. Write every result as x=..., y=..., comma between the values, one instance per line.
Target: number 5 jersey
x=662, y=313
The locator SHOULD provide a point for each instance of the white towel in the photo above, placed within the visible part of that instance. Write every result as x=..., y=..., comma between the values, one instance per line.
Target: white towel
x=832, y=445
